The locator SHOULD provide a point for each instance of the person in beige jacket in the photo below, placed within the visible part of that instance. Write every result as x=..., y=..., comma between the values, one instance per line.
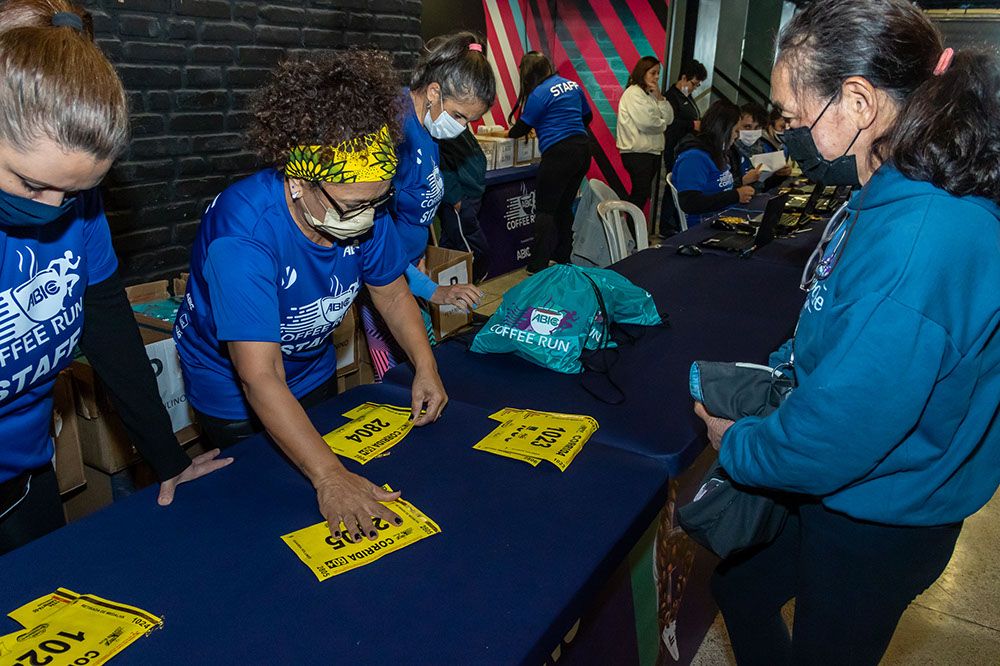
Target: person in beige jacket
x=643, y=115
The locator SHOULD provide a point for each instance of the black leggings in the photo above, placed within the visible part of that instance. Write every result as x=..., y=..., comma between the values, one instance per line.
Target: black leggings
x=851, y=582
x=641, y=167
x=564, y=165
x=223, y=433
x=30, y=511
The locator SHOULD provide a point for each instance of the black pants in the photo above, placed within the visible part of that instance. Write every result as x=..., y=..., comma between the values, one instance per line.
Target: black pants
x=564, y=165
x=851, y=582
x=460, y=230
x=223, y=433
x=642, y=168
x=32, y=505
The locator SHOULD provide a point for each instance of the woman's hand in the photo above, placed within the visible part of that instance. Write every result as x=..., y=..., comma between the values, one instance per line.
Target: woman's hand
x=697, y=125
x=353, y=500
x=717, y=426
x=200, y=466
x=428, y=390
x=784, y=171
x=460, y=295
x=751, y=176
x=746, y=194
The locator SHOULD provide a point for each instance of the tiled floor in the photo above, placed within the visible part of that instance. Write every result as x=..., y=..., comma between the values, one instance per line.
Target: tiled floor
x=955, y=622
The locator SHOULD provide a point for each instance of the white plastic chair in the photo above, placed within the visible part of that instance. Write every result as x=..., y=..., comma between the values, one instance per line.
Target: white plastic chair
x=617, y=232
x=681, y=216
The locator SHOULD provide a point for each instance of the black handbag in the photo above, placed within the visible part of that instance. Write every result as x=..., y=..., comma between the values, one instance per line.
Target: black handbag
x=726, y=517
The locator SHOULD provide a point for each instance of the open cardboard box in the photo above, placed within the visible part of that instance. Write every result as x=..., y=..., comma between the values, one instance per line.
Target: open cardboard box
x=447, y=267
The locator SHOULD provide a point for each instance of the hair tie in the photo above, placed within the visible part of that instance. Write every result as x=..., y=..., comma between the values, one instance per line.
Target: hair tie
x=68, y=19
x=944, y=62
x=476, y=47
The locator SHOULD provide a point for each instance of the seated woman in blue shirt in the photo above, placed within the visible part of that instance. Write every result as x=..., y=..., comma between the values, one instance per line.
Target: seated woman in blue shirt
x=452, y=85
x=280, y=257
x=703, y=174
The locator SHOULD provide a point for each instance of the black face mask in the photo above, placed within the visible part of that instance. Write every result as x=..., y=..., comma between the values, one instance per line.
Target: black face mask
x=802, y=149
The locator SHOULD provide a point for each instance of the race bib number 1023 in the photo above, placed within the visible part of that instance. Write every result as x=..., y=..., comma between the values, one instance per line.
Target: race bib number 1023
x=530, y=436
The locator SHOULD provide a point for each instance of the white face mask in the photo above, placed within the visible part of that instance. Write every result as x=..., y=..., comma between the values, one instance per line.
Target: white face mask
x=445, y=127
x=750, y=137
x=343, y=229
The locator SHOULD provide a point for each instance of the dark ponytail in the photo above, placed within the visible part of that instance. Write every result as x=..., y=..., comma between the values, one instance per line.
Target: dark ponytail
x=946, y=131
x=534, y=69
x=463, y=73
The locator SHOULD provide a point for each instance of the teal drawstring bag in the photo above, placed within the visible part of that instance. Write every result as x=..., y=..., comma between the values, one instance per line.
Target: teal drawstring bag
x=555, y=315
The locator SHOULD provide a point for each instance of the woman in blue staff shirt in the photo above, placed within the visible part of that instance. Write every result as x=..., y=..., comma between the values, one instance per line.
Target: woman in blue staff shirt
x=891, y=438
x=703, y=174
x=280, y=257
x=558, y=111
x=452, y=85
x=64, y=119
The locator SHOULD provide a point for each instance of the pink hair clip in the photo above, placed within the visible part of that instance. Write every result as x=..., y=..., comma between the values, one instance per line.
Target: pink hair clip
x=476, y=47
x=944, y=62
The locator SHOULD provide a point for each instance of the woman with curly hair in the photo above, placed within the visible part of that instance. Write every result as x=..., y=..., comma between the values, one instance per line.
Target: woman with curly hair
x=278, y=260
x=452, y=85
x=63, y=120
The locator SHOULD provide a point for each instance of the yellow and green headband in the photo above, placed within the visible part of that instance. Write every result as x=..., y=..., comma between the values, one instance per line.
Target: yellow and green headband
x=368, y=159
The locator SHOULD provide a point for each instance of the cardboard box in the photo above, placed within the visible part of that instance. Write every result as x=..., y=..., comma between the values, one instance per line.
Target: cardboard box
x=524, y=151
x=104, y=442
x=538, y=150
x=448, y=267
x=503, y=157
x=489, y=149
x=66, y=434
x=94, y=496
x=346, y=340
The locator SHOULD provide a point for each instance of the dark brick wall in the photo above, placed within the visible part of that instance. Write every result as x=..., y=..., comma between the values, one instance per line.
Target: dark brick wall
x=189, y=67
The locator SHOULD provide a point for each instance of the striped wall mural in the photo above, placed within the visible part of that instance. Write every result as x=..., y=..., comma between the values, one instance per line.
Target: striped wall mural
x=593, y=42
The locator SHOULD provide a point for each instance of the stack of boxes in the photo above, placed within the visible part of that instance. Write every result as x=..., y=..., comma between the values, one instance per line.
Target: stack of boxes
x=504, y=153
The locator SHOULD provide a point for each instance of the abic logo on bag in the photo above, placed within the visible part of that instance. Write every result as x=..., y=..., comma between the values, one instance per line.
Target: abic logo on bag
x=544, y=321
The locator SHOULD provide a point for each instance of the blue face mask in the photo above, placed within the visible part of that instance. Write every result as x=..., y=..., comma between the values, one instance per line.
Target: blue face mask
x=17, y=211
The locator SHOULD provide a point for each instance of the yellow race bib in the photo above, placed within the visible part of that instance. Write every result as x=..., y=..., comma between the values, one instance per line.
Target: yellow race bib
x=551, y=436
x=374, y=429
x=327, y=557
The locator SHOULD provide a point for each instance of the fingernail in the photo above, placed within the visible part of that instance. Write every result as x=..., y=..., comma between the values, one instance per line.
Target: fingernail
x=373, y=533
x=399, y=521
x=357, y=536
x=411, y=417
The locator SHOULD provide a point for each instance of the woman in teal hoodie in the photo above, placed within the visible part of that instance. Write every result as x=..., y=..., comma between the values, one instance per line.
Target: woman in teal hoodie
x=891, y=437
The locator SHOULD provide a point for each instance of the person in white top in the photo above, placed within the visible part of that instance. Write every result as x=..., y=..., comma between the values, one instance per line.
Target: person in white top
x=643, y=115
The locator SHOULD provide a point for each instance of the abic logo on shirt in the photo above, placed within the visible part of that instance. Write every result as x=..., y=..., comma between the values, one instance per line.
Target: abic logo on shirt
x=309, y=326
x=33, y=316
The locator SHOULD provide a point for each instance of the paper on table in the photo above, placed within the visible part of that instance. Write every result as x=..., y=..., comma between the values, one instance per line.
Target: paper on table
x=769, y=162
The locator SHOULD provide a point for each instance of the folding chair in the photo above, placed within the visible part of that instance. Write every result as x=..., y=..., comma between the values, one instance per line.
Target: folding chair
x=617, y=232
x=681, y=216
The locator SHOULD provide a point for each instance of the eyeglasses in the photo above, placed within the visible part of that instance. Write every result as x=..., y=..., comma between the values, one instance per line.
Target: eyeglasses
x=357, y=210
x=823, y=259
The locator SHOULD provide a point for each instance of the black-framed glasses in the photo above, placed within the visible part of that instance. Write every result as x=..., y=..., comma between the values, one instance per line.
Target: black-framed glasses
x=823, y=258
x=357, y=210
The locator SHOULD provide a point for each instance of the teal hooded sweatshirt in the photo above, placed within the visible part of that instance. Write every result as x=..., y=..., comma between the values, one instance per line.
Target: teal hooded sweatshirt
x=897, y=356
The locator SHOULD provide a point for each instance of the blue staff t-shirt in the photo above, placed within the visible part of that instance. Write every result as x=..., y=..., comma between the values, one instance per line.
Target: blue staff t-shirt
x=43, y=274
x=256, y=277
x=418, y=183
x=695, y=171
x=555, y=109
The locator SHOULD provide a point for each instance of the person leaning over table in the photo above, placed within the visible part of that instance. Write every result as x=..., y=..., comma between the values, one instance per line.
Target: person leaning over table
x=705, y=179
x=278, y=260
x=643, y=115
x=558, y=111
x=63, y=120
x=891, y=437
x=452, y=85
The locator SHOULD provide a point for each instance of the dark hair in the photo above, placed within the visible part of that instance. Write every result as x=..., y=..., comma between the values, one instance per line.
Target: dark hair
x=755, y=111
x=464, y=74
x=946, y=129
x=774, y=115
x=534, y=69
x=638, y=75
x=717, y=130
x=56, y=82
x=323, y=101
x=692, y=69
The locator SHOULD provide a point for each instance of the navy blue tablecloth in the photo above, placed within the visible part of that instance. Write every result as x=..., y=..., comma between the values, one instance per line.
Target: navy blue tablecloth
x=720, y=308
x=522, y=552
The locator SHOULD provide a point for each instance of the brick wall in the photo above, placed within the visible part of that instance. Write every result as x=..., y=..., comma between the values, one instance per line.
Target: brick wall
x=189, y=67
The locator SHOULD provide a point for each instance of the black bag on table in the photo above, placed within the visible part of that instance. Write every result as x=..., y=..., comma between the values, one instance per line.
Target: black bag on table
x=726, y=517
